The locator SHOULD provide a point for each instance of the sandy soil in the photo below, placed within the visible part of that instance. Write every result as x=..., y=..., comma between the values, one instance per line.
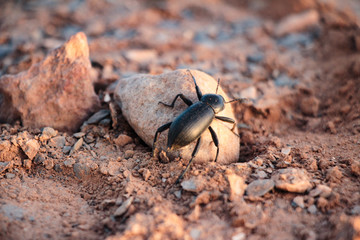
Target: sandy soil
x=306, y=114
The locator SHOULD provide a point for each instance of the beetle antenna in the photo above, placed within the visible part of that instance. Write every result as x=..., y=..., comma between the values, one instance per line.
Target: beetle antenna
x=192, y=76
x=217, y=87
x=241, y=100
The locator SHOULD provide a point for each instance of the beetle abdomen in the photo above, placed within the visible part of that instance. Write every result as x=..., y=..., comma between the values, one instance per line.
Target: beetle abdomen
x=189, y=125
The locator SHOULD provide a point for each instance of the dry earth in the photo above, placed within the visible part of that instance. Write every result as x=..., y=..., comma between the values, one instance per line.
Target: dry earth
x=299, y=167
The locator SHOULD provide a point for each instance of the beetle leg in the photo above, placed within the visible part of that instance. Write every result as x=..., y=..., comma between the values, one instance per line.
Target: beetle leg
x=185, y=99
x=196, y=149
x=198, y=91
x=216, y=141
x=226, y=119
x=160, y=129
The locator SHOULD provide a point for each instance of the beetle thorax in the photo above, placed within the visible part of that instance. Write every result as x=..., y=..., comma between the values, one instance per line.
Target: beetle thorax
x=215, y=101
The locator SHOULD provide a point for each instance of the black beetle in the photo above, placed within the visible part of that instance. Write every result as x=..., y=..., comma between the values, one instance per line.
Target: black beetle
x=190, y=124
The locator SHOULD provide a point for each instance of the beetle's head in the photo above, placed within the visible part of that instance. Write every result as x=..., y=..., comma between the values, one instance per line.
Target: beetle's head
x=216, y=102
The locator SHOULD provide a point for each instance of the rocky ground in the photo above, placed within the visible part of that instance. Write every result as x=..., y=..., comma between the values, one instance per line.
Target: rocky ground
x=68, y=174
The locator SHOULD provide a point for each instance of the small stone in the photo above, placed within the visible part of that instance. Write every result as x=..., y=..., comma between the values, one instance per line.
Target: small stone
x=355, y=210
x=195, y=214
x=330, y=125
x=322, y=204
x=81, y=170
x=177, y=194
x=69, y=163
x=312, y=209
x=259, y=188
x=48, y=163
x=286, y=150
x=47, y=133
x=239, y=236
x=299, y=201
x=98, y=116
x=13, y=212
x=27, y=164
x=355, y=167
x=334, y=174
x=192, y=185
x=292, y=180
x=249, y=92
x=66, y=149
x=146, y=174
x=310, y=106
x=129, y=154
x=77, y=145
x=163, y=157
x=9, y=175
x=297, y=22
x=123, y=140
x=141, y=55
x=124, y=207
x=31, y=148
x=57, y=142
x=321, y=190
x=6, y=165
x=237, y=186
x=79, y=134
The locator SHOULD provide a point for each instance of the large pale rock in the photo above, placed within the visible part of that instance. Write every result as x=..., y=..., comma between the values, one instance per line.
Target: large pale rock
x=55, y=92
x=138, y=97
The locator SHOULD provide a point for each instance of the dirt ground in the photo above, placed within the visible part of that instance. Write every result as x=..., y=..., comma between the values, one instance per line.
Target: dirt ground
x=101, y=182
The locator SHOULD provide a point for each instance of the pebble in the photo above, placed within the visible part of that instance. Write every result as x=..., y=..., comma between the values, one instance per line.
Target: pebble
x=81, y=170
x=237, y=186
x=286, y=150
x=355, y=167
x=145, y=173
x=47, y=133
x=12, y=212
x=123, y=140
x=355, y=210
x=48, y=163
x=124, y=207
x=297, y=22
x=259, y=188
x=292, y=180
x=177, y=194
x=249, y=92
x=298, y=201
x=195, y=214
x=321, y=190
x=79, y=134
x=69, y=163
x=129, y=154
x=239, y=236
x=5, y=165
x=9, y=175
x=77, y=145
x=98, y=116
x=192, y=185
x=312, y=209
x=57, y=142
x=330, y=125
x=141, y=55
x=27, y=164
x=334, y=174
x=31, y=148
x=309, y=106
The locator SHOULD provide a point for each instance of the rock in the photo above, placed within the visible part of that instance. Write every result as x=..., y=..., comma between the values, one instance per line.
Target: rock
x=145, y=173
x=27, y=164
x=321, y=190
x=333, y=174
x=145, y=115
x=56, y=92
x=77, y=145
x=124, y=207
x=330, y=125
x=10, y=175
x=57, y=142
x=355, y=167
x=31, y=148
x=312, y=209
x=286, y=150
x=194, y=184
x=122, y=140
x=48, y=163
x=6, y=165
x=110, y=168
x=98, y=116
x=195, y=214
x=69, y=163
x=129, y=154
x=310, y=106
x=81, y=170
x=292, y=180
x=12, y=212
x=259, y=188
x=141, y=55
x=47, y=133
x=249, y=92
x=237, y=186
x=297, y=22
x=298, y=201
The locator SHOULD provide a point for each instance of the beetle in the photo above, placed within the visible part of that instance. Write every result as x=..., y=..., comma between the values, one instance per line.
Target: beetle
x=194, y=121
